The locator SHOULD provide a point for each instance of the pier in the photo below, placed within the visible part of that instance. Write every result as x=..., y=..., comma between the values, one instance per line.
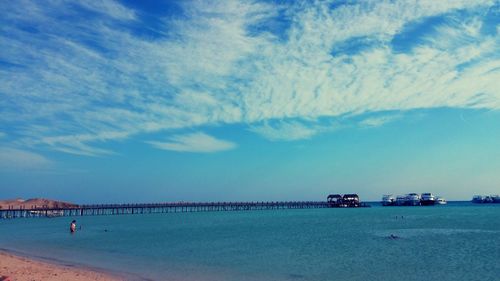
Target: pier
x=178, y=207
x=132, y=209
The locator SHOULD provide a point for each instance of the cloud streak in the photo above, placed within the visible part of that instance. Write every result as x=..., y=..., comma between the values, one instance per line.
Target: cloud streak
x=73, y=79
x=378, y=121
x=194, y=142
x=287, y=130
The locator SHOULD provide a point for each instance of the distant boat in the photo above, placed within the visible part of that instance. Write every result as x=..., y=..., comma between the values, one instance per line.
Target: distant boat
x=388, y=200
x=441, y=201
x=427, y=199
x=485, y=199
x=478, y=199
x=401, y=200
x=413, y=199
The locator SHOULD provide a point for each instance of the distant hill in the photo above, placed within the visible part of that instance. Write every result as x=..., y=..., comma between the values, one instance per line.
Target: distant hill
x=35, y=202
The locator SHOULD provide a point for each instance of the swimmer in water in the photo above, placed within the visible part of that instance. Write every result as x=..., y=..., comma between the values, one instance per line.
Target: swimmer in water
x=72, y=226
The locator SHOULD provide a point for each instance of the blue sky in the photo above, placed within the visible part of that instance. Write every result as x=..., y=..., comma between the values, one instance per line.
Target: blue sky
x=121, y=101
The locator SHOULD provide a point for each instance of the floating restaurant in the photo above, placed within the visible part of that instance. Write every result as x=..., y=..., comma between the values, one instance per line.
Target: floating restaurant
x=345, y=201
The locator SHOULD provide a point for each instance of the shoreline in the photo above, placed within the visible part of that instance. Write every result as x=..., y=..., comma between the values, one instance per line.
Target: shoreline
x=16, y=266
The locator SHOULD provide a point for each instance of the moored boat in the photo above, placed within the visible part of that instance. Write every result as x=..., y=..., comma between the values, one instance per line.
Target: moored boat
x=441, y=201
x=478, y=199
x=413, y=199
x=486, y=199
x=427, y=199
x=388, y=200
x=401, y=200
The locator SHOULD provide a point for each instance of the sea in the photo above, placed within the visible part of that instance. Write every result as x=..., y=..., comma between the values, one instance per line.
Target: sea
x=458, y=241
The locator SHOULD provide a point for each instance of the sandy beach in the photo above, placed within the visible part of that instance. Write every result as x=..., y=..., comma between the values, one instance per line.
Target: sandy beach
x=16, y=268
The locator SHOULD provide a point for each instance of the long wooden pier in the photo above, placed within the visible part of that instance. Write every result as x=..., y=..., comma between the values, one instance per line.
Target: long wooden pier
x=131, y=209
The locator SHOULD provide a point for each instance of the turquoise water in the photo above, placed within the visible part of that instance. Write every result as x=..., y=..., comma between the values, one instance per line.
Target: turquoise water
x=460, y=241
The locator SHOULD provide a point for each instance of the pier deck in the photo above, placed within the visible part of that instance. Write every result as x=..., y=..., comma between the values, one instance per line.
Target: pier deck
x=125, y=209
x=131, y=209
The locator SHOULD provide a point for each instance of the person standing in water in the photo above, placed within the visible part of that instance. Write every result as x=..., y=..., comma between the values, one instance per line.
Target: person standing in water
x=72, y=226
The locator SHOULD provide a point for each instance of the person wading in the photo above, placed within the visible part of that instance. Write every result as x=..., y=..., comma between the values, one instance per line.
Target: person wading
x=72, y=226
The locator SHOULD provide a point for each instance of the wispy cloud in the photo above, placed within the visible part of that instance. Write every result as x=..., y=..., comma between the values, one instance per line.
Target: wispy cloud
x=194, y=142
x=303, y=78
x=13, y=159
x=109, y=75
x=77, y=144
x=109, y=8
x=378, y=121
x=285, y=131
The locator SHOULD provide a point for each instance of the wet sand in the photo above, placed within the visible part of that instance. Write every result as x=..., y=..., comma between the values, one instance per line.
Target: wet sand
x=17, y=268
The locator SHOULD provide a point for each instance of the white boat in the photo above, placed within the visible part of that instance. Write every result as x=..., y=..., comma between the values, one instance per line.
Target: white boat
x=413, y=199
x=401, y=200
x=478, y=199
x=441, y=201
x=427, y=199
x=388, y=200
x=485, y=199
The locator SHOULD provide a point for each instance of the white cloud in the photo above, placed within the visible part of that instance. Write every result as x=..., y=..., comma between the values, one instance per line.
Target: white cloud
x=103, y=82
x=194, y=142
x=378, y=121
x=302, y=79
x=11, y=158
x=76, y=144
x=285, y=131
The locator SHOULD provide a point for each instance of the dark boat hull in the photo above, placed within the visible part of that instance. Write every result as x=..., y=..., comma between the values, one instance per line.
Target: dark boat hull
x=428, y=202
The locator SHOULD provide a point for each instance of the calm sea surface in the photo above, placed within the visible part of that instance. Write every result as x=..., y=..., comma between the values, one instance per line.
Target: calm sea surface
x=460, y=241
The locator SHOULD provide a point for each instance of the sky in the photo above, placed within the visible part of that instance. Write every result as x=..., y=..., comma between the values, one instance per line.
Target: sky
x=160, y=101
